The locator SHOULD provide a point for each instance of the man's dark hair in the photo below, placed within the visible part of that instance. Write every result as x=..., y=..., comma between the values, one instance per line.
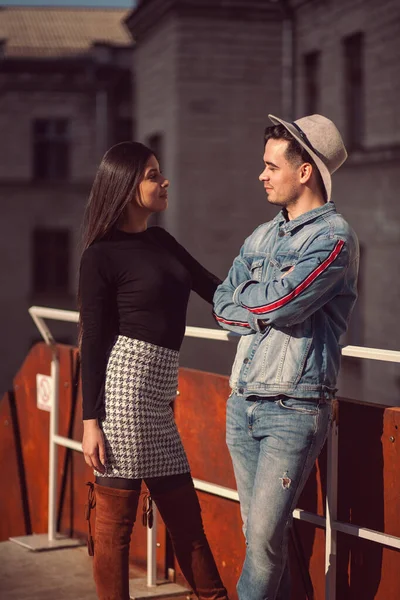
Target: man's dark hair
x=295, y=153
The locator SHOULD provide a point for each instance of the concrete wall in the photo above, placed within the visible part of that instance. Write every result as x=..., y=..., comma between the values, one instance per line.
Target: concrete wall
x=207, y=84
x=156, y=102
x=322, y=26
x=17, y=112
x=26, y=205
x=23, y=209
x=365, y=190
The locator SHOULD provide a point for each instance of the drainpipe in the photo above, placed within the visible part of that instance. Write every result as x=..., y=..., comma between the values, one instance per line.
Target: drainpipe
x=288, y=66
x=288, y=59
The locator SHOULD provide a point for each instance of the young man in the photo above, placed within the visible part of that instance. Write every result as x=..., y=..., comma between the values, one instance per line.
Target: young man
x=290, y=293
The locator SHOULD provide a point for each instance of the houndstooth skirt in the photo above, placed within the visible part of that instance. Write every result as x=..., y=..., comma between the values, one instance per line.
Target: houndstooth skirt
x=141, y=436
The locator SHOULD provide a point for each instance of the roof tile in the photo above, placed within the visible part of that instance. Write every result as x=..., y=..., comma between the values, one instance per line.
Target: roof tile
x=51, y=31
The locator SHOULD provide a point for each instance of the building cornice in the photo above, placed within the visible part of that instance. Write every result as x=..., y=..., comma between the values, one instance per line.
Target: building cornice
x=149, y=13
x=374, y=155
x=83, y=74
x=44, y=187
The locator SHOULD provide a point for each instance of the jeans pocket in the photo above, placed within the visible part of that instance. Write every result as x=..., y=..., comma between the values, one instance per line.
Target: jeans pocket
x=300, y=405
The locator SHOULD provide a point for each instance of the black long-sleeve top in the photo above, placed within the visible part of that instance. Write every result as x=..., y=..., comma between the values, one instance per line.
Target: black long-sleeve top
x=136, y=285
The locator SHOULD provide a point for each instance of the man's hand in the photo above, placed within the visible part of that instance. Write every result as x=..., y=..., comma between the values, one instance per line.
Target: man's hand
x=93, y=445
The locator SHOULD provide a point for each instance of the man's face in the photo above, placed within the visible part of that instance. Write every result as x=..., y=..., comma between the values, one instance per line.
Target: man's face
x=281, y=178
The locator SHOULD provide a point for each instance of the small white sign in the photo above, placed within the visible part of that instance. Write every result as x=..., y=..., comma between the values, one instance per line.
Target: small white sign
x=44, y=392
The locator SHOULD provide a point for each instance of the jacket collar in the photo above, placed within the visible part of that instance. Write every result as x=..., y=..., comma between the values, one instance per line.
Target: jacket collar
x=286, y=226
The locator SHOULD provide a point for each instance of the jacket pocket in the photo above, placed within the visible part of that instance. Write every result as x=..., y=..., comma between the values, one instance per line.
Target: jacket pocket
x=241, y=352
x=256, y=268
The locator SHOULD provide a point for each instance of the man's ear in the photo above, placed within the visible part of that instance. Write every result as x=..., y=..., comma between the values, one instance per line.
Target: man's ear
x=306, y=171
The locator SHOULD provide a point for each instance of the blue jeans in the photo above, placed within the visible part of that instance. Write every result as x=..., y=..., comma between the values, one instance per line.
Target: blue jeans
x=273, y=443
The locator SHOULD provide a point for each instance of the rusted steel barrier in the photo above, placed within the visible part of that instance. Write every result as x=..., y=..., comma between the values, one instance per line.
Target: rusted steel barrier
x=368, y=486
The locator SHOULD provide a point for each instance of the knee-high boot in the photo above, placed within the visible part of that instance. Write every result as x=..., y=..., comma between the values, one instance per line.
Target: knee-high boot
x=181, y=513
x=115, y=515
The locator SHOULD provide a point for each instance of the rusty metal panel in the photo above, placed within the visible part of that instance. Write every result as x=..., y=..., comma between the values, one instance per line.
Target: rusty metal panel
x=12, y=521
x=200, y=416
x=72, y=470
x=365, y=569
x=369, y=480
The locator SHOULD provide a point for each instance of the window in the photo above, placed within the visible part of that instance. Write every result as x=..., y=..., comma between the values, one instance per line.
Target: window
x=123, y=130
x=353, y=48
x=311, y=80
x=51, y=149
x=156, y=142
x=50, y=257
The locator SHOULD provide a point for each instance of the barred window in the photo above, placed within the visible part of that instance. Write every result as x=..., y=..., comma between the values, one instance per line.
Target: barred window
x=51, y=149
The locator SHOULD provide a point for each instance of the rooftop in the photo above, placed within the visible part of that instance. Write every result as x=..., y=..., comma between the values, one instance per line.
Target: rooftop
x=45, y=571
x=50, y=32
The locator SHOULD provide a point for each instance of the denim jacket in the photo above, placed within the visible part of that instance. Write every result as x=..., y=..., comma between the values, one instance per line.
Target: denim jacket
x=290, y=294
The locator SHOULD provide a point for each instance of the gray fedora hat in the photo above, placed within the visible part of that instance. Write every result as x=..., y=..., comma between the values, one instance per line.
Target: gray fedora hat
x=322, y=140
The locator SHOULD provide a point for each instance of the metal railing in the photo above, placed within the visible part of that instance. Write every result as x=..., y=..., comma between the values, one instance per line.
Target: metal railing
x=330, y=522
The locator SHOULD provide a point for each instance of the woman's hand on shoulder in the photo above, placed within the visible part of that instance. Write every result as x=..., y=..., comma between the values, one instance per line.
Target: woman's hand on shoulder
x=93, y=445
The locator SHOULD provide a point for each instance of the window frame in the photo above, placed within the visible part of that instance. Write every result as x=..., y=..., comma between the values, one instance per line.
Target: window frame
x=51, y=149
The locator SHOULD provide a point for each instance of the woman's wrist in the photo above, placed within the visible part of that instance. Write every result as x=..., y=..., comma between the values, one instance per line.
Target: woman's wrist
x=90, y=423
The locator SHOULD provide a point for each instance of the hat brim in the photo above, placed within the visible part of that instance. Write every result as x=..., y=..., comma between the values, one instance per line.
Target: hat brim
x=322, y=168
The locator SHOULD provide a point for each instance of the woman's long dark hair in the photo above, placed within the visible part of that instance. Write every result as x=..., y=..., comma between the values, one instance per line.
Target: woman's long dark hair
x=116, y=184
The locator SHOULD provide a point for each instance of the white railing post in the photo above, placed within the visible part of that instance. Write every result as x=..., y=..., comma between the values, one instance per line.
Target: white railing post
x=53, y=540
x=331, y=511
x=53, y=451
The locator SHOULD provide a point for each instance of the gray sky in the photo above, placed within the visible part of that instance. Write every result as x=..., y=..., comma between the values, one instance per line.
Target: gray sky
x=108, y=3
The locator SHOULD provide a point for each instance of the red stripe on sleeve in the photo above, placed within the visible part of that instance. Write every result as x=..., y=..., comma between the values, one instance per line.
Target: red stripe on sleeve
x=302, y=286
x=238, y=323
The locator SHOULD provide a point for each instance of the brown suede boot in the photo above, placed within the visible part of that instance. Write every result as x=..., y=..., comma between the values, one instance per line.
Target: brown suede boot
x=181, y=513
x=115, y=516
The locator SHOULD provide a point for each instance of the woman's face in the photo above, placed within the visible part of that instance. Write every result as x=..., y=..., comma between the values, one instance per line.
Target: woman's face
x=153, y=193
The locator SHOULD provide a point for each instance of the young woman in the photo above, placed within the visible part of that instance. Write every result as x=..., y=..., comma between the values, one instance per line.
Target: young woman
x=134, y=289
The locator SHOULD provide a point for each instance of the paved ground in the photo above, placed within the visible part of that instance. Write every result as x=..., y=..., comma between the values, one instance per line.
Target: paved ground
x=52, y=575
